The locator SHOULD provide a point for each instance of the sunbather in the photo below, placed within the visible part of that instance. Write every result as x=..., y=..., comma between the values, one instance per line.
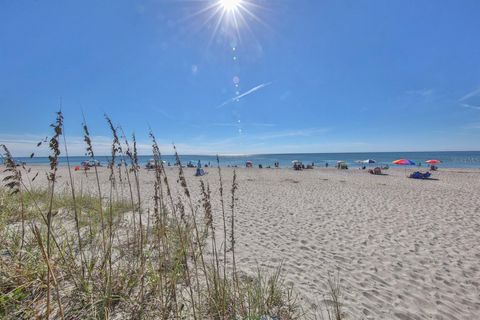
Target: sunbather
x=420, y=175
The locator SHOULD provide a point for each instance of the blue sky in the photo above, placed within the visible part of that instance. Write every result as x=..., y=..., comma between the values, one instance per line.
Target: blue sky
x=313, y=76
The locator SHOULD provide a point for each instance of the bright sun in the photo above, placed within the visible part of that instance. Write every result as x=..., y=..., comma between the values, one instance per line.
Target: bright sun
x=229, y=17
x=230, y=5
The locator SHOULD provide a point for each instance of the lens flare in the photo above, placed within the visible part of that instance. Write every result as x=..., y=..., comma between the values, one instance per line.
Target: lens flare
x=230, y=5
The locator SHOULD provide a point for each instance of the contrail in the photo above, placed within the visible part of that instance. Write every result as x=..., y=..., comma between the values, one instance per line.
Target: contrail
x=236, y=98
x=470, y=106
x=469, y=95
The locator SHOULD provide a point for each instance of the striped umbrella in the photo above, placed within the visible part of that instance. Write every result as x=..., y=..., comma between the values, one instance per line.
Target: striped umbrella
x=404, y=162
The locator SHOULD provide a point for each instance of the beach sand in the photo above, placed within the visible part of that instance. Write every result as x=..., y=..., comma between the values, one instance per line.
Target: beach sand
x=402, y=248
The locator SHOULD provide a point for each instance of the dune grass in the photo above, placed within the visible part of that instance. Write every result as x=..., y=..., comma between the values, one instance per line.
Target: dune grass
x=65, y=254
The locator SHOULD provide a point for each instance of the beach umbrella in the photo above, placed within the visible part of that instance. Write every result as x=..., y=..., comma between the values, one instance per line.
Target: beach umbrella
x=404, y=162
x=369, y=161
x=296, y=163
x=433, y=161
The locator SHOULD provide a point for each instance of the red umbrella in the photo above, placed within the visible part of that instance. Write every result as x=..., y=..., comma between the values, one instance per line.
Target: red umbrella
x=433, y=161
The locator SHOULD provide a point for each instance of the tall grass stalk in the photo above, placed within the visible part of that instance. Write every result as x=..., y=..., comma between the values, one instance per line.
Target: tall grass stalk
x=53, y=158
x=184, y=242
x=75, y=209
x=132, y=155
x=172, y=269
x=199, y=240
x=91, y=154
x=13, y=182
x=224, y=220
x=232, y=240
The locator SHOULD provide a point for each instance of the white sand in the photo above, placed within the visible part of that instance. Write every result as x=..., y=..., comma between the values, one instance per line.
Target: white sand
x=403, y=248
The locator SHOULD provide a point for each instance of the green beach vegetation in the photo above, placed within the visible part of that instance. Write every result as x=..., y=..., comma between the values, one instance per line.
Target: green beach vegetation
x=73, y=254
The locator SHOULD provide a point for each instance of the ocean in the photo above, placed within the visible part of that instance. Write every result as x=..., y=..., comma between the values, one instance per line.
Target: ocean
x=450, y=159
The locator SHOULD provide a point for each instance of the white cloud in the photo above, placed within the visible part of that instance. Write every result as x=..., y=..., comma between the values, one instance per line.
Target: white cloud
x=472, y=126
x=237, y=124
x=422, y=92
x=469, y=106
x=26, y=144
x=471, y=100
x=280, y=141
x=307, y=132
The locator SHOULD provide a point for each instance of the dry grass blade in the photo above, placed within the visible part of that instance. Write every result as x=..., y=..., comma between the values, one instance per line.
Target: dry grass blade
x=172, y=268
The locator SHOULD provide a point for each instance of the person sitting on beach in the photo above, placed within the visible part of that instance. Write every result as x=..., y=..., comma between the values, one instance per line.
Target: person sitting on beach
x=200, y=172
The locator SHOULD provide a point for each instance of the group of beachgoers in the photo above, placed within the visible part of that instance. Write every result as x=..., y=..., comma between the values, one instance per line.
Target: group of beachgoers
x=151, y=164
x=296, y=165
x=342, y=165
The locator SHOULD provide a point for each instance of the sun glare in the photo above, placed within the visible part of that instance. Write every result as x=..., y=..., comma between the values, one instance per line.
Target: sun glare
x=230, y=5
x=230, y=20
